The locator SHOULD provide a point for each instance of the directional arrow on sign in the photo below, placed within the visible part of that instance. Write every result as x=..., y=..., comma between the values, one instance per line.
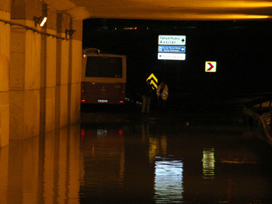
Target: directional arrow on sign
x=154, y=81
x=211, y=66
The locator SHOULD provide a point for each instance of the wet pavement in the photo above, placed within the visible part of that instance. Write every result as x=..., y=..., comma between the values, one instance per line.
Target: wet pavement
x=123, y=156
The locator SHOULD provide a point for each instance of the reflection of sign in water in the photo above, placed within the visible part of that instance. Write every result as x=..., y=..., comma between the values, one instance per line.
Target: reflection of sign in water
x=168, y=180
x=208, y=163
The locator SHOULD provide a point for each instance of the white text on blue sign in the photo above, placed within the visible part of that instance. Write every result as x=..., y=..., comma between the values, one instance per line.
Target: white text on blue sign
x=171, y=49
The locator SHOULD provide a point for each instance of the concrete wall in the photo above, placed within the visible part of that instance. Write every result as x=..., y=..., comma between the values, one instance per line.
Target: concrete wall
x=40, y=70
x=24, y=82
x=4, y=73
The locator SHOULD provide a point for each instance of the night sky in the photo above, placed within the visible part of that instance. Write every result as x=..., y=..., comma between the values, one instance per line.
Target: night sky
x=242, y=50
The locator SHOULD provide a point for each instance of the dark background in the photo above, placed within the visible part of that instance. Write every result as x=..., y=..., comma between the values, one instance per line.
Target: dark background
x=242, y=50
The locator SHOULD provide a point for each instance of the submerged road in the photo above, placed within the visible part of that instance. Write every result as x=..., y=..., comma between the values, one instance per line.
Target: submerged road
x=204, y=154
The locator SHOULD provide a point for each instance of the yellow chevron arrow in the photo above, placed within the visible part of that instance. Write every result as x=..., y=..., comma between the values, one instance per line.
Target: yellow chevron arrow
x=154, y=80
x=154, y=84
x=152, y=76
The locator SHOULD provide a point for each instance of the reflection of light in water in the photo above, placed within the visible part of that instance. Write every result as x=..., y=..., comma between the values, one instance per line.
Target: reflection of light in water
x=104, y=162
x=157, y=146
x=152, y=149
x=168, y=180
x=163, y=145
x=102, y=132
x=208, y=163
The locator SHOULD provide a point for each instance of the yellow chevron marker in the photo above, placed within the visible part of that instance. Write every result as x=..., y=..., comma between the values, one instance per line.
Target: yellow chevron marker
x=154, y=80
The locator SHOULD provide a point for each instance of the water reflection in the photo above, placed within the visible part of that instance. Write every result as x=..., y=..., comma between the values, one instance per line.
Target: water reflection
x=141, y=164
x=153, y=145
x=136, y=163
x=208, y=163
x=42, y=169
x=4, y=154
x=168, y=180
x=103, y=157
x=23, y=168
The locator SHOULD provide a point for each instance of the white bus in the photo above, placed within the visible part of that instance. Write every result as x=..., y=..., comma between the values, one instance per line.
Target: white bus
x=103, y=77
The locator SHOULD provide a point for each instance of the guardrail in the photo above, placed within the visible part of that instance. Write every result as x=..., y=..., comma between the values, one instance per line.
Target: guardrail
x=261, y=111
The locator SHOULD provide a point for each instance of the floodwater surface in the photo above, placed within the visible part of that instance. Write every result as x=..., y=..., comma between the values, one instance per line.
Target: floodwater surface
x=150, y=160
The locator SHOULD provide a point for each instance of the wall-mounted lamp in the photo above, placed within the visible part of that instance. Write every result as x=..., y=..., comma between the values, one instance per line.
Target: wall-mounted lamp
x=70, y=33
x=40, y=21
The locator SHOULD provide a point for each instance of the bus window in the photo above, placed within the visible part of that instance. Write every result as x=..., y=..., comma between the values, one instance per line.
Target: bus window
x=104, y=67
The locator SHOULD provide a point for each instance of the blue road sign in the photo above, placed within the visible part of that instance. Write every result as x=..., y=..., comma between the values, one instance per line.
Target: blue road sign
x=171, y=49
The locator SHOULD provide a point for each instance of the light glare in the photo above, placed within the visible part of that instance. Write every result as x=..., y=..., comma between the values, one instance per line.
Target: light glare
x=43, y=21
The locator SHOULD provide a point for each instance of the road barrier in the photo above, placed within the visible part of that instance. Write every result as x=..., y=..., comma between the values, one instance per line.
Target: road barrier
x=261, y=111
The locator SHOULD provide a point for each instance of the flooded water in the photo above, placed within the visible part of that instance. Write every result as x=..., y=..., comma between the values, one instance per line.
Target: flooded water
x=147, y=160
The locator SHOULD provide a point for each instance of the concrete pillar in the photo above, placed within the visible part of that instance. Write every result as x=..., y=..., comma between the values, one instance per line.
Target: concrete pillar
x=4, y=73
x=48, y=75
x=63, y=24
x=75, y=72
x=24, y=83
x=24, y=71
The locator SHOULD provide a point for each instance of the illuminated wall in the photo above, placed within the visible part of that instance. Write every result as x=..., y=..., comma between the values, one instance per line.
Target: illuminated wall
x=40, y=69
x=24, y=83
x=62, y=72
x=75, y=71
x=49, y=59
x=4, y=74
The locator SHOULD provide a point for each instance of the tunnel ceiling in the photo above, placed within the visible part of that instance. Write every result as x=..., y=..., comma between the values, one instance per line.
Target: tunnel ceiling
x=165, y=9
